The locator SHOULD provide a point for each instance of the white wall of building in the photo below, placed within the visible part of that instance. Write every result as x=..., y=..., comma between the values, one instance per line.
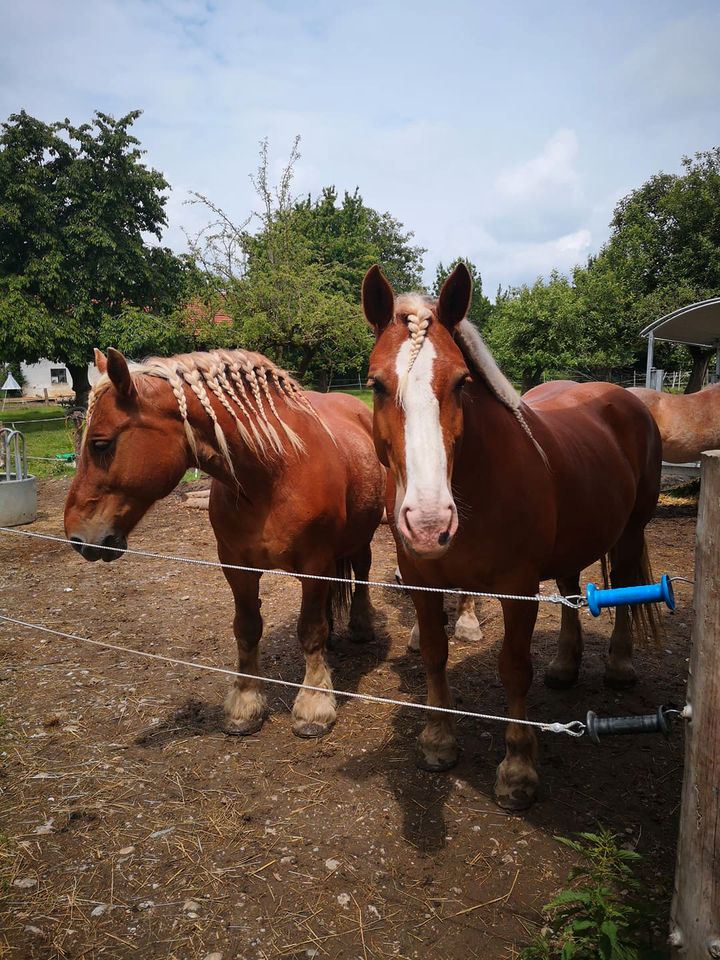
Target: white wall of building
x=51, y=376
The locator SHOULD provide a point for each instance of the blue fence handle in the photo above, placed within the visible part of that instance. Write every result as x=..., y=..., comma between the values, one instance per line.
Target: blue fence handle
x=626, y=596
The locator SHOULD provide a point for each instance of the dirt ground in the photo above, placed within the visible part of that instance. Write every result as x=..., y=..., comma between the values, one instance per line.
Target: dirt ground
x=134, y=828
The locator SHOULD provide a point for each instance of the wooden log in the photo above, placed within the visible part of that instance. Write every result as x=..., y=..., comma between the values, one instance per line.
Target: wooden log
x=695, y=913
x=198, y=499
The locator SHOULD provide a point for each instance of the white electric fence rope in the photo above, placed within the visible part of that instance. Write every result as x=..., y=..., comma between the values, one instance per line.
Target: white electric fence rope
x=575, y=603
x=575, y=728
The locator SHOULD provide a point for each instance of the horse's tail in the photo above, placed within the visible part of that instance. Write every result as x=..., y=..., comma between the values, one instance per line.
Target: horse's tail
x=341, y=593
x=645, y=620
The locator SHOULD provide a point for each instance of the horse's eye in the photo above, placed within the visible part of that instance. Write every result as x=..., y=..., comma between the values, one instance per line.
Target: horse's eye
x=101, y=445
x=462, y=381
x=377, y=386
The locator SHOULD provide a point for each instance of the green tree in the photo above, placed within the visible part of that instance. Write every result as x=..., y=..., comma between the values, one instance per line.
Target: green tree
x=76, y=203
x=348, y=237
x=480, y=306
x=665, y=244
x=535, y=330
x=292, y=271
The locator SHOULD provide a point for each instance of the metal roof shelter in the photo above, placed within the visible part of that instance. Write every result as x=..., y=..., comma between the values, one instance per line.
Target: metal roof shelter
x=697, y=325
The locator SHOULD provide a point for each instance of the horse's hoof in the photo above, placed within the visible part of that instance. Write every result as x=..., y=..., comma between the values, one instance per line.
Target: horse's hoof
x=514, y=801
x=468, y=634
x=361, y=635
x=311, y=731
x=414, y=641
x=437, y=759
x=467, y=630
x=620, y=678
x=561, y=677
x=515, y=785
x=242, y=728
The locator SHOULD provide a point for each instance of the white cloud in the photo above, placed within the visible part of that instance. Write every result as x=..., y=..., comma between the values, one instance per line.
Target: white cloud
x=511, y=263
x=551, y=171
x=541, y=198
x=481, y=139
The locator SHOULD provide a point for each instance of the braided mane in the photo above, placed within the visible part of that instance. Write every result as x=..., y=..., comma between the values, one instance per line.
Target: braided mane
x=247, y=385
x=419, y=310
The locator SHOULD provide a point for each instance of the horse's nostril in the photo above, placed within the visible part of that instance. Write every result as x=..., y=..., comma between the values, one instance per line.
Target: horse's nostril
x=443, y=538
x=116, y=543
x=77, y=543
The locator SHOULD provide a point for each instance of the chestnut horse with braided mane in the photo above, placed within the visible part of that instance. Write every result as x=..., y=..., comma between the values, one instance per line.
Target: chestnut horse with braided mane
x=296, y=487
x=545, y=485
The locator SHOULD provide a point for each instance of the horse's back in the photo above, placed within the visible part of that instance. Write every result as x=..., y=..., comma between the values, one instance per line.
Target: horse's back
x=688, y=423
x=341, y=408
x=589, y=409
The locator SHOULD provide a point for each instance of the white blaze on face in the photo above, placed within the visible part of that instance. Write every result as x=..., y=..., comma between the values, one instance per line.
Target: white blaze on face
x=425, y=509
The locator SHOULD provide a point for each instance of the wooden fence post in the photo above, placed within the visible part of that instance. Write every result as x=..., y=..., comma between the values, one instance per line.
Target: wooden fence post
x=695, y=913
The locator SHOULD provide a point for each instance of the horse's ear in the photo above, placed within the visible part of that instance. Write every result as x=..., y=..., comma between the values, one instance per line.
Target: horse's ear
x=100, y=361
x=454, y=299
x=119, y=373
x=378, y=300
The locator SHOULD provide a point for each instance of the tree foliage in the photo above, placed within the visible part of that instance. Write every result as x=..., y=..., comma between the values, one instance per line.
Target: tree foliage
x=535, y=329
x=665, y=246
x=666, y=234
x=292, y=271
x=76, y=203
x=663, y=253
x=480, y=306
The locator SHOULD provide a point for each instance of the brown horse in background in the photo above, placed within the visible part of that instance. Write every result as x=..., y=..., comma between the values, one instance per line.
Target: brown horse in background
x=688, y=423
x=296, y=487
x=546, y=485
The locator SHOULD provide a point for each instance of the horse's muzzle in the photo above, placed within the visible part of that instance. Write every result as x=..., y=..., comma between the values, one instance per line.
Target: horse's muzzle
x=112, y=547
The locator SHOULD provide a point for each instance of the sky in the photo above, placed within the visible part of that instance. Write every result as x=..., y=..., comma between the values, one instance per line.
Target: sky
x=503, y=132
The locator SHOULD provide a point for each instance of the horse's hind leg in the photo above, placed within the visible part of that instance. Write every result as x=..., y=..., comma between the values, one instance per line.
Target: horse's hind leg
x=467, y=627
x=314, y=711
x=245, y=705
x=626, y=570
x=564, y=669
x=361, y=609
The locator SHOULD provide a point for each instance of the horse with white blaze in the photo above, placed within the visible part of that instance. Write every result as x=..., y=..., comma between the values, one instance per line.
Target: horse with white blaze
x=546, y=486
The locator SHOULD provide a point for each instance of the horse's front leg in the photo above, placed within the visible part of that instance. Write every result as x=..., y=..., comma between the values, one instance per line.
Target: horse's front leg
x=517, y=778
x=314, y=711
x=245, y=704
x=438, y=749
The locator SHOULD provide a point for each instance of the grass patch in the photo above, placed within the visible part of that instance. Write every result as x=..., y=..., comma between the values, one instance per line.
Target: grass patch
x=42, y=439
x=365, y=395
x=33, y=411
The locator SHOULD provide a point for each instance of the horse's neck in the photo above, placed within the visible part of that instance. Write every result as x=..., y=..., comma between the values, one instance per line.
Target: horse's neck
x=486, y=419
x=256, y=465
x=252, y=470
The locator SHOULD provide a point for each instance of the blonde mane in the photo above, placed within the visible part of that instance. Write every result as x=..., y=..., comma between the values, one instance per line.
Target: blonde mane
x=247, y=385
x=418, y=309
x=482, y=363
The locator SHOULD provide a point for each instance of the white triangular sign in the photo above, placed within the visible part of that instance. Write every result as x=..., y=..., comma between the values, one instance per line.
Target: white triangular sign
x=11, y=383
